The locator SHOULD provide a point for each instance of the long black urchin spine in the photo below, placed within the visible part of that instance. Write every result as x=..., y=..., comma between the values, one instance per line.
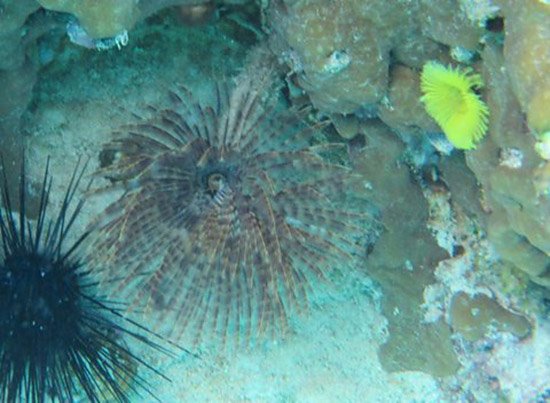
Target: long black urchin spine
x=59, y=338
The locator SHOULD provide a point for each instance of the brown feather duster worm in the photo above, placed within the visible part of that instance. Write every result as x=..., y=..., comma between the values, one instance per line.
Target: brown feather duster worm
x=229, y=216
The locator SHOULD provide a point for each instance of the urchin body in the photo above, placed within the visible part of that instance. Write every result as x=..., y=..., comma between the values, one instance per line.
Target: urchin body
x=40, y=302
x=229, y=215
x=58, y=338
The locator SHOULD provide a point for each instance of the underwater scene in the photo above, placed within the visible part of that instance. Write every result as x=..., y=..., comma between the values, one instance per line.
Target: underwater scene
x=274, y=201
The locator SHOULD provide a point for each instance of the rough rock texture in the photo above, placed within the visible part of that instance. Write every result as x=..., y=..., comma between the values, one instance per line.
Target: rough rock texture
x=108, y=18
x=403, y=260
x=340, y=50
x=445, y=22
x=16, y=72
x=527, y=58
x=337, y=49
x=507, y=167
x=474, y=317
x=12, y=18
x=463, y=185
x=21, y=24
x=100, y=19
x=362, y=58
x=403, y=110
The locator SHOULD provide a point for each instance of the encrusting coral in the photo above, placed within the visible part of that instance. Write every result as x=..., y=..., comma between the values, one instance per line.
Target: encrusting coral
x=109, y=18
x=527, y=58
x=229, y=217
x=508, y=168
x=404, y=111
x=337, y=48
x=340, y=51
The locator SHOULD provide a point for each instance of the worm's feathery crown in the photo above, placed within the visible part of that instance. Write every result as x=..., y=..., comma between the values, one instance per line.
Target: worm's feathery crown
x=228, y=214
x=450, y=100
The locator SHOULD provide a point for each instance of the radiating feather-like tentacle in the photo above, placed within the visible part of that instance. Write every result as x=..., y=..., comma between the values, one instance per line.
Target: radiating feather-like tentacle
x=230, y=218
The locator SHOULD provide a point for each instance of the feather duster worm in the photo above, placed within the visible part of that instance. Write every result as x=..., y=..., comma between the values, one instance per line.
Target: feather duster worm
x=229, y=216
x=450, y=100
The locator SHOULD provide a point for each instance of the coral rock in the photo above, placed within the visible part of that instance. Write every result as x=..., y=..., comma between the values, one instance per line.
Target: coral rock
x=109, y=18
x=404, y=108
x=473, y=317
x=447, y=23
x=519, y=223
x=340, y=49
x=528, y=58
x=100, y=19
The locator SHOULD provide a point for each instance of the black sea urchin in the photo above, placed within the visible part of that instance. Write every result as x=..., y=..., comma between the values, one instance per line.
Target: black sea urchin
x=58, y=338
x=228, y=213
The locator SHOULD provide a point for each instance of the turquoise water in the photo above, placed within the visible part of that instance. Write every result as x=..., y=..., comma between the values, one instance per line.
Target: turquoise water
x=384, y=327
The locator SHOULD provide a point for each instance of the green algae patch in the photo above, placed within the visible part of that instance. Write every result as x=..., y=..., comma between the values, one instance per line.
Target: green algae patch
x=473, y=317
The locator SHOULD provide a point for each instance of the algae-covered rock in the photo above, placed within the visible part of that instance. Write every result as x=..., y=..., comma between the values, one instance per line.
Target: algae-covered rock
x=109, y=18
x=339, y=53
x=100, y=18
x=342, y=50
x=413, y=50
x=18, y=71
x=527, y=57
x=508, y=168
x=403, y=260
x=403, y=108
x=445, y=22
x=474, y=316
x=541, y=179
x=13, y=14
x=463, y=185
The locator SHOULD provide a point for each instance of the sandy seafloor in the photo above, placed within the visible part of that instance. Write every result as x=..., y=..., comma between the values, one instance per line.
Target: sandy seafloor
x=330, y=354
